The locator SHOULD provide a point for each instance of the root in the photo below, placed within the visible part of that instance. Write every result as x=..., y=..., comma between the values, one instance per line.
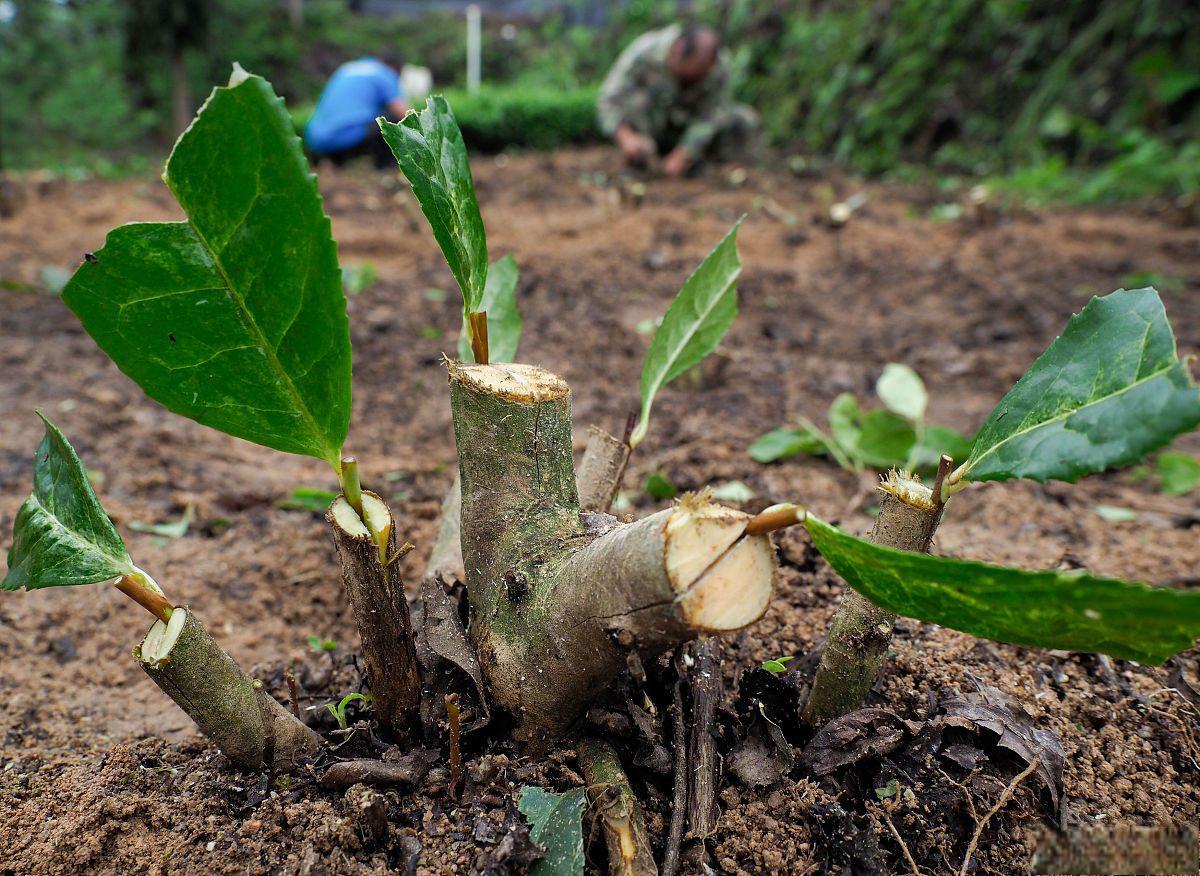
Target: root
x=861, y=632
x=243, y=720
x=376, y=594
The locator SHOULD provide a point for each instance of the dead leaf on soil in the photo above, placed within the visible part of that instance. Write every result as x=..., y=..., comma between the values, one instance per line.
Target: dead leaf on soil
x=865, y=733
x=764, y=756
x=989, y=710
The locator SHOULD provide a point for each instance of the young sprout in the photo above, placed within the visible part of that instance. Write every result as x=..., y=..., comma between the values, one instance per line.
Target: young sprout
x=777, y=666
x=339, y=711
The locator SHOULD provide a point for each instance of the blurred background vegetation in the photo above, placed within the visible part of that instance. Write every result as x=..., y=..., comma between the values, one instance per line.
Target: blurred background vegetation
x=1082, y=100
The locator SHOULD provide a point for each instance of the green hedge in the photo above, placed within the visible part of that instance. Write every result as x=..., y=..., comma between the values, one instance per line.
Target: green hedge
x=499, y=116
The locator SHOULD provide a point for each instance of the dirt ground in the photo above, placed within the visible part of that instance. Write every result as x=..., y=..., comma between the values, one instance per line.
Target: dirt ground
x=100, y=773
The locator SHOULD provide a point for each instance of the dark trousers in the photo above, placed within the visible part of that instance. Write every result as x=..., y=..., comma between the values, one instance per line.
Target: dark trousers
x=372, y=146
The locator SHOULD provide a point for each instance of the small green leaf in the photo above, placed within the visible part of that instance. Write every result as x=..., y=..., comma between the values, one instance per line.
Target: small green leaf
x=503, y=317
x=783, y=443
x=885, y=439
x=658, y=487
x=1178, y=473
x=845, y=420
x=1104, y=394
x=177, y=529
x=319, y=644
x=555, y=823
x=307, y=499
x=61, y=536
x=694, y=324
x=1115, y=513
x=429, y=148
x=903, y=391
x=357, y=279
x=1072, y=611
x=235, y=317
x=891, y=789
x=937, y=440
x=735, y=492
x=778, y=666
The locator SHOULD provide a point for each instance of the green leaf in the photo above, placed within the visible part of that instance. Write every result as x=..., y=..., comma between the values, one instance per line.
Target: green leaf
x=1104, y=394
x=658, y=487
x=782, y=443
x=1178, y=473
x=61, y=536
x=429, y=148
x=694, y=324
x=1072, y=611
x=1115, y=513
x=555, y=823
x=891, y=789
x=177, y=529
x=235, y=317
x=778, y=666
x=357, y=279
x=885, y=439
x=845, y=418
x=902, y=391
x=307, y=499
x=935, y=441
x=503, y=317
x=733, y=491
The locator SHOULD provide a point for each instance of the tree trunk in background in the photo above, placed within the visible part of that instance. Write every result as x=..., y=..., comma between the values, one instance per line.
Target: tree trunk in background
x=181, y=93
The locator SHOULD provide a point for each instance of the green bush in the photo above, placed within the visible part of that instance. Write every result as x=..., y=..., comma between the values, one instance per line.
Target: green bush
x=531, y=117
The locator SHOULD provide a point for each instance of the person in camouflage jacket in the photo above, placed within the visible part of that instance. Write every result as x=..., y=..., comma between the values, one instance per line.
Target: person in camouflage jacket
x=668, y=95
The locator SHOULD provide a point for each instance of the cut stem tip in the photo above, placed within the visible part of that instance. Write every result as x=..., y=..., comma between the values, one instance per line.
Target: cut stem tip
x=135, y=587
x=776, y=517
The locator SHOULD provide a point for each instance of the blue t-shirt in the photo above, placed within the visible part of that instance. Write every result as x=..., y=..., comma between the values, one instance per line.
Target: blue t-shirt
x=357, y=93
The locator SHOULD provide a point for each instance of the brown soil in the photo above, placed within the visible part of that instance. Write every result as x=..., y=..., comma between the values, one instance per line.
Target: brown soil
x=99, y=773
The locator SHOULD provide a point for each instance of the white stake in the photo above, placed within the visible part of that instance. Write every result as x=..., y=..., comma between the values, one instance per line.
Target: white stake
x=474, y=47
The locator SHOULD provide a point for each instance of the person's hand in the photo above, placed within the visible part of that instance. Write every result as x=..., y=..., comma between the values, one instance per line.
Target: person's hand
x=637, y=148
x=677, y=162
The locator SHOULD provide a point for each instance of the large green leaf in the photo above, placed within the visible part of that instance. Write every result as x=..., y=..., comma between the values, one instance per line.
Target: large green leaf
x=62, y=536
x=1072, y=611
x=694, y=324
x=1107, y=392
x=556, y=823
x=429, y=148
x=235, y=317
x=783, y=443
x=885, y=439
x=503, y=317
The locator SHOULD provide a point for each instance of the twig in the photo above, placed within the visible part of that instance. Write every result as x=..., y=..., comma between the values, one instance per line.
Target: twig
x=943, y=469
x=479, y=336
x=679, y=803
x=707, y=690
x=455, y=755
x=155, y=603
x=293, y=690
x=903, y=845
x=351, y=486
x=1000, y=804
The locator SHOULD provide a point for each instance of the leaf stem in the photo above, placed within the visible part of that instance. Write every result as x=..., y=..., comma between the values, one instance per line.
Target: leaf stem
x=479, y=336
x=939, y=480
x=775, y=517
x=351, y=487
x=137, y=588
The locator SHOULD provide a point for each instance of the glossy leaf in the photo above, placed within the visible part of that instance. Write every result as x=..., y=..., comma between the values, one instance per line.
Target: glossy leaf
x=429, y=147
x=556, y=824
x=61, y=536
x=694, y=324
x=235, y=317
x=783, y=443
x=503, y=317
x=1072, y=611
x=901, y=389
x=1104, y=394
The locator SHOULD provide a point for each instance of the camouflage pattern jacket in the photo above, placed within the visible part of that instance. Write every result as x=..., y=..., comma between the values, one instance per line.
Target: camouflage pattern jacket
x=641, y=91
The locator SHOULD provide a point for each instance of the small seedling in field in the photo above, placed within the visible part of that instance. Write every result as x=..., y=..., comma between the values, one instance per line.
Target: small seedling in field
x=339, y=711
x=657, y=486
x=322, y=645
x=777, y=666
x=62, y=538
x=307, y=499
x=357, y=279
x=1106, y=393
x=1177, y=473
x=894, y=436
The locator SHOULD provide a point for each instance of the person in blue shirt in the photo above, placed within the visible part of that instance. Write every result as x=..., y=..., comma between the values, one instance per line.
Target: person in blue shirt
x=343, y=124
